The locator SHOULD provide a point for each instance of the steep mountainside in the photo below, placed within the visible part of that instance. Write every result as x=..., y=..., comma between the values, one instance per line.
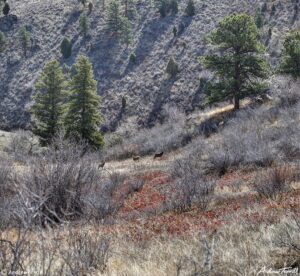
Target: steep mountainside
x=145, y=83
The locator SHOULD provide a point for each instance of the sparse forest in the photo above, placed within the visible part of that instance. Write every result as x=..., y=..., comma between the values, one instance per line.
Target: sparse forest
x=155, y=137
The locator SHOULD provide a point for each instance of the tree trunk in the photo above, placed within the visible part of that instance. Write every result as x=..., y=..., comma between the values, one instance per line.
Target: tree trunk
x=236, y=102
x=237, y=88
x=126, y=8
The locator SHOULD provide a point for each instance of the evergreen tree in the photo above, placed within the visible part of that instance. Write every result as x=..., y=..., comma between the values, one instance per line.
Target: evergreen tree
x=238, y=65
x=166, y=6
x=190, y=9
x=90, y=6
x=163, y=7
x=174, y=6
x=132, y=58
x=264, y=8
x=48, y=105
x=83, y=117
x=273, y=10
x=126, y=32
x=25, y=41
x=290, y=61
x=6, y=9
x=129, y=8
x=2, y=41
x=83, y=2
x=259, y=20
x=175, y=31
x=83, y=24
x=127, y=3
x=172, y=67
x=118, y=24
x=66, y=48
x=114, y=17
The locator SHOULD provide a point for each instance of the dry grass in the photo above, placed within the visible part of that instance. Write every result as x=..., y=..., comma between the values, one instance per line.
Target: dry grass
x=236, y=249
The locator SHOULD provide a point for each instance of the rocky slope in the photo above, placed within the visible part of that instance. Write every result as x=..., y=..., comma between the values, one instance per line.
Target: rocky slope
x=144, y=84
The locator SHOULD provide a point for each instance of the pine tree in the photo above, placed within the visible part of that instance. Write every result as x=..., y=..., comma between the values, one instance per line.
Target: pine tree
x=190, y=9
x=66, y=48
x=2, y=41
x=83, y=2
x=114, y=17
x=290, y=61
x=83, y=117
x=172, y=67
x=127, y=3
x=132, y=58
x=175, y=31
x=259, y=20
x=118, y=24
x=25, y=41
x=238, y=65
x=6, y=9
x=126, y=32
x=48, y=107
x=83, y=24
x=273, y=10
x=163, y=7
x=173, y=6
x=90, y=6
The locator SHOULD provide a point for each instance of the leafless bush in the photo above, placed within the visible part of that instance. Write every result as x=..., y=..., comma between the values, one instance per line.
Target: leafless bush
x=21, y=145
x=287, y=236
x=14, y=252
x=85, y=253
x=55, y=184
x=191, y=186
x=259, y=137
x=168, y=136
x=273, y=182
x=102, y=203
x=208, y=127
x=221, y=159
x=6, y=189
x=5, y=176
x=290, y=97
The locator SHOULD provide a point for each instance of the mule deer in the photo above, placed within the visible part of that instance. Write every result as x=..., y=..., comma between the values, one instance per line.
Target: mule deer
x=101, y=165
x=158, y=155
x=136, y=158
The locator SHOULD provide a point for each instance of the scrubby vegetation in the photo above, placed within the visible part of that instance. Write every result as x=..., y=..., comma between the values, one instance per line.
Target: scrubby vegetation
x=199, y=177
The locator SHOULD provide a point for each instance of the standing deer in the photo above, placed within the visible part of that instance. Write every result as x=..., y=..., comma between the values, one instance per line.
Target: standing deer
x=158, y=155
x=101, y=165
x=136, y=158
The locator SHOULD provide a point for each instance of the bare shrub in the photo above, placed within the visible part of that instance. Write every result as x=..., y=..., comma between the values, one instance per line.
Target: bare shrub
x=85, y=253
x=5, y=176
x=6, y=190
x=191, y=187
x=21, y=144
x=259, y=137
x=273, y=182
x=288, y=140
x=208, y=127
x=221, y=159
x=14, y=252
x=103, y=205
x=290, y=97
x=170, y=135
x=287, y=237
x=55, y=184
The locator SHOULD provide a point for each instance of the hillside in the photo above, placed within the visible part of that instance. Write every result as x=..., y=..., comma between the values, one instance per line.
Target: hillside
x=144, y=84
x=173, y=186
